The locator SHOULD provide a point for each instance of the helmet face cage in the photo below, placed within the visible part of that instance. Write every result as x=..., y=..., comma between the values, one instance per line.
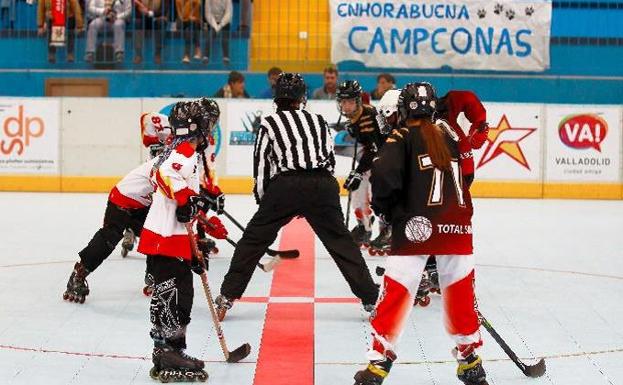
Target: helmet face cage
x=417, y=100
x=350, y=89
x=210, y=115
x=291, y=86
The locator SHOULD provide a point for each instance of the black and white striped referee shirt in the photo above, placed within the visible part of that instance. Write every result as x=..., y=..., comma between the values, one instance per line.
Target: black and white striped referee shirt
x=289, y=141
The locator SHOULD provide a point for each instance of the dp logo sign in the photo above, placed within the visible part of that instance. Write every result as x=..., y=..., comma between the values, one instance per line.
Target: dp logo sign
x=19, y=131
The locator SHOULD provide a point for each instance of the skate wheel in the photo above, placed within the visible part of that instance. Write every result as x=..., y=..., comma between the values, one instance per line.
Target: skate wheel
x=81, y=299
x=153, y=373
x=164, y=376
x=147, y=291
x=202, y=376
x=424, y=301
x=214, y=250
x=435, y=290
x=65, y=296
x=372, y=252
x=379, y=271
x=124, y=252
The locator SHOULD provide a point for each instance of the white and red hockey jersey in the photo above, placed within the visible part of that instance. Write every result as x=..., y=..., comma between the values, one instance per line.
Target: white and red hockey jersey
x=135, y=190
x=177, y=180
x=155, y=128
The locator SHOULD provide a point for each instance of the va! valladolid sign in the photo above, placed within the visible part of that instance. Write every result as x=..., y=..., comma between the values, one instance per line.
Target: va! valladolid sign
x=482, y=35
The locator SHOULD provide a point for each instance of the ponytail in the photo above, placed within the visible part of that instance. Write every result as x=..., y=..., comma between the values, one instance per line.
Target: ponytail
x=436, y=145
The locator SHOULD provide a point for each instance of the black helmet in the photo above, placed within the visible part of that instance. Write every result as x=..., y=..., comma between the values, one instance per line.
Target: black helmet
x=211, y=113
x=417, y=100
x=290, y=86
x=350, y=89
x=186, y=119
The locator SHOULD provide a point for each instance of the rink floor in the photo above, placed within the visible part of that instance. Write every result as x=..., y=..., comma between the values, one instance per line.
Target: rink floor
x=549, y=278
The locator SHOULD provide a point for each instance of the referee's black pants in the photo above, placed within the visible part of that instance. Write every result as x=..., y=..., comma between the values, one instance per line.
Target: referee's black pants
x=315, y=196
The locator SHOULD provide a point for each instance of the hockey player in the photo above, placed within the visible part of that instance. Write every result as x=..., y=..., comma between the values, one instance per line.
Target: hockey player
x=388, y=109
x=155, y=131
x=293, y=170
x=128, y=203
x=417, y=186
x=164, y=238
x=366, y=127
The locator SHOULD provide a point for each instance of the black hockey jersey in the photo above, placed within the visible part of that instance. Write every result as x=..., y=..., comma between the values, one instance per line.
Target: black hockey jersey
x=367, y=129
x=430, y=209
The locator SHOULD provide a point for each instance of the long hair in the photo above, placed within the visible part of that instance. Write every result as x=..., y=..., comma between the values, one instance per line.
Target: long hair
x=436, y=144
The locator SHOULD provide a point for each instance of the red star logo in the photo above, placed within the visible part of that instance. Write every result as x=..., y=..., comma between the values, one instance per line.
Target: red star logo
x=505, y=139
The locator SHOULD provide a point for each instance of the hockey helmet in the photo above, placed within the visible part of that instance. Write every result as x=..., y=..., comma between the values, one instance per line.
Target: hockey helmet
x=290, y=86
x=186, y=119
x=388, y=105
x=417, y=100
x=349, y=89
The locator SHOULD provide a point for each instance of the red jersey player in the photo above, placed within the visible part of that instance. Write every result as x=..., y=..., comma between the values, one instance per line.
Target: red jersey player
x=164, y=237
x=417, y=186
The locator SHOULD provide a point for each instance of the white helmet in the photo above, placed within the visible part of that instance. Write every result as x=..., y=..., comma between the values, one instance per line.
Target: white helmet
x=388, y=104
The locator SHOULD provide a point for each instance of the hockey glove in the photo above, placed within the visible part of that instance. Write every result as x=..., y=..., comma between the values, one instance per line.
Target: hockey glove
x=215, y=198
x=215, y=228
x=353, y=181
x=195, y=204
x=206, y=245
x=155, y=150
x=195, y=266
x=478, y=135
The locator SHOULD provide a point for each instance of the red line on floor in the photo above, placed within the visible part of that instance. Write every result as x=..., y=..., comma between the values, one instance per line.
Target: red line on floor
x=286, y=353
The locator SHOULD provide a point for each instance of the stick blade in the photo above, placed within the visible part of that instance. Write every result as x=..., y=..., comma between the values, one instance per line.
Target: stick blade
x=239, y=354
x=285, y=254
x=536, y=370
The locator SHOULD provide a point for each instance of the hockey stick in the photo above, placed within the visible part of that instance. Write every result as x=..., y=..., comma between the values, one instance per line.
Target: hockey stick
x=243, y=350
x=350, y=193
x=533, y=371
x=285, y=254
x=266, y=267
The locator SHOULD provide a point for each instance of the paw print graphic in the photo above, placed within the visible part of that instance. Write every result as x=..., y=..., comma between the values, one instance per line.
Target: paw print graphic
x=510, y=14
x=529, y=11
x=481, y=13
x=498, y=8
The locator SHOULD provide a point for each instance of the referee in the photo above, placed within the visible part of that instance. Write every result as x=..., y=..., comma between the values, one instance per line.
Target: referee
x=293, y=170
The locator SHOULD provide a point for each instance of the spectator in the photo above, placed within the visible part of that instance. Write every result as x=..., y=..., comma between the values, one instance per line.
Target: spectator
x=245, y=18
x=273, y=74
x=327, y=91
x=151, y=15
x=108, y=13
x=75, y=21
x=218, y=15
x=7, y=11
x=384, y=82
x=234, y=87
x=189, y=14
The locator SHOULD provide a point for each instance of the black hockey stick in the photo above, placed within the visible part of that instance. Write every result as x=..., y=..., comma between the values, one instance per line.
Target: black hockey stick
x=285, y=254
x=350, y=193
x=266, y=267
x=533, y=371
x=243, y=350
